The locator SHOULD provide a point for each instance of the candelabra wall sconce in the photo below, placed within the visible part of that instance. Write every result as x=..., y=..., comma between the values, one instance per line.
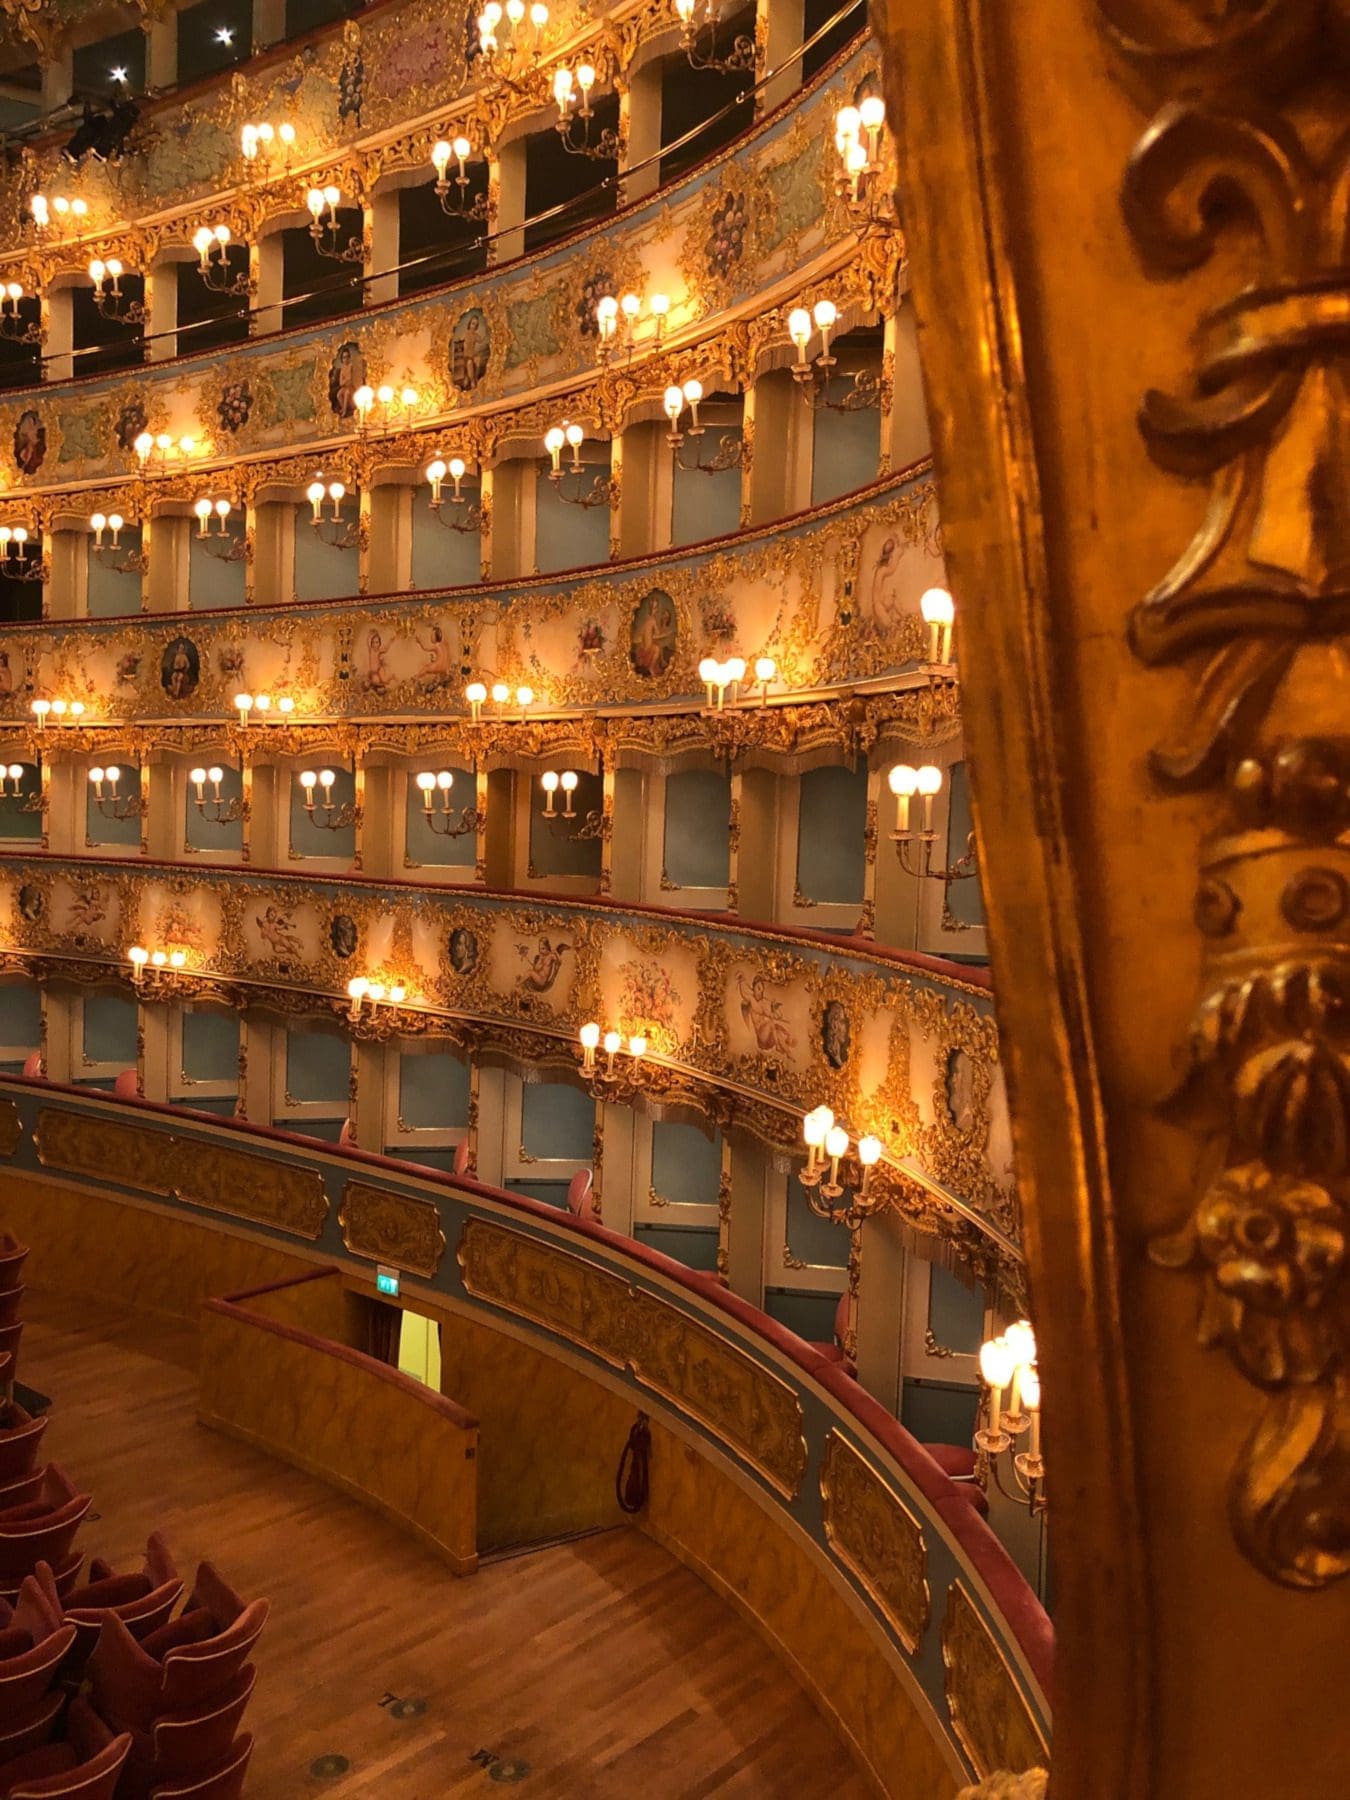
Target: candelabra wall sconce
x=616, y=323
x=110, y=803
x=816, y=377
x=107, y=542
x=59, y=712
x=324, y=812
x=462, y=514
x=111, y=302
x=160, y=974
x=262, y=709
x=12, y=323
x=721, y=678
x=914, y=846
x=214, y=534
x=440, y=819
x=603, y=489
x=213, y=265
x=156, y=452
x=460, y=206
x=572, y=93
x=327, y=231
x=553, y=782
x=510, y=38
x=837, y=1187
x=17, y=561
x=620, y=1075
x=11, y=789
x=367, y=996
x=698, y=39
x=1008, y=1366
x=397, y=407
x=730, y=453
x=268, y=144
x=857, y=138
x=215, y=808
x=331, y=528
x=478, y=694
x=57, y=213
x=939, y=614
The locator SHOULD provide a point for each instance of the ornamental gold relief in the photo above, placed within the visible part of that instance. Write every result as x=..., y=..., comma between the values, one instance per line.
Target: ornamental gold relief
x=398, y=1229
x=877, y=1537
x=988, y=1712
x=1242, y=171
x=692, y=1367
x=11, y=1128
x=714, y=245
x=238, y=1182
x=740, y=1021
x=829, y=599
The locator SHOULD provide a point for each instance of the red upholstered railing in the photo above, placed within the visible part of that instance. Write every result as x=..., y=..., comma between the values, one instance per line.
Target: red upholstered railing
x=1025, y=1619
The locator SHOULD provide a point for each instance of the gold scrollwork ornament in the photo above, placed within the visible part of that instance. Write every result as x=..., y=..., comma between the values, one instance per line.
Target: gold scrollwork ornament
x=1247, y=154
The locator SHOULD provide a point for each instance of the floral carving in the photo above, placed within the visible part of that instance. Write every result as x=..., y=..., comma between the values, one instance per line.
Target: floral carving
x=1236, y=160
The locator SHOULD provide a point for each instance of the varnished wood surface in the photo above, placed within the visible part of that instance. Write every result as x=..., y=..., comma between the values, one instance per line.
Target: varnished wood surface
x=605, y=1665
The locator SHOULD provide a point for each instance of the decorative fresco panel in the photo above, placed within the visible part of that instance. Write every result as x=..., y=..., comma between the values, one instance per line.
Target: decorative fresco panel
x=635, y=640
x=729, y=232
x=730, y=1004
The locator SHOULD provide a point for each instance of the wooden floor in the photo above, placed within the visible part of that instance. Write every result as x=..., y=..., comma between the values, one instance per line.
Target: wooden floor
x=600, y=1668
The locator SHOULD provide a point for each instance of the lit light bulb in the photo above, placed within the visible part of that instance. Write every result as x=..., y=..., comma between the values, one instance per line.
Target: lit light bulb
x=996, y=1363
x=590, y=1036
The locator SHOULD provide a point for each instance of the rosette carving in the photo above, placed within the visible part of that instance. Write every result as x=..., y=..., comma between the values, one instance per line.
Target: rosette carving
x=1246, y=165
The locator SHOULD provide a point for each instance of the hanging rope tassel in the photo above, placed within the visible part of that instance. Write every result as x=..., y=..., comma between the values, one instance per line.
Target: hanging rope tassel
x=633, y=1480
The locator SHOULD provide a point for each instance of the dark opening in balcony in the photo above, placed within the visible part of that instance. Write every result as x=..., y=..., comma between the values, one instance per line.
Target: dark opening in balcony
x=318, y=286
x=434, y=247
x=576, y=184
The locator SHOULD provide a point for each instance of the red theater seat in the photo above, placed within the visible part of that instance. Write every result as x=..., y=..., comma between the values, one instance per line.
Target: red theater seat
x=225, y=1783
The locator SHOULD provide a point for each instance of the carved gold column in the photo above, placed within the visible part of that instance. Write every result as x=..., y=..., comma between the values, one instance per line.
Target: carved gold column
x=1127, y=230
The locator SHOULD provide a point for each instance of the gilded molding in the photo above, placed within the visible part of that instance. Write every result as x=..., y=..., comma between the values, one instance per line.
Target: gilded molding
x=1031, y=1785
x=11, y=1128
x=873, y=1533
x=1239, y=169
x=87, y=1144
x=215, y=1176
x=392, y=1228
x=368, y=661
x=247, y=405
x=692, y=1367
x=988, y=1713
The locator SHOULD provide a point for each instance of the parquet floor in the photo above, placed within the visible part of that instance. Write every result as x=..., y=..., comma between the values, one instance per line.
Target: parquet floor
x=603, y=1666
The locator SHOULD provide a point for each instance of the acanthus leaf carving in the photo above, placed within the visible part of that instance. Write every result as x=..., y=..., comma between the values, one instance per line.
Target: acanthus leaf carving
x=1245, y=149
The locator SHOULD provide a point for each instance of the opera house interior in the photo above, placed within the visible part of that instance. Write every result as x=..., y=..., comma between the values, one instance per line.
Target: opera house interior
x=650, y=1140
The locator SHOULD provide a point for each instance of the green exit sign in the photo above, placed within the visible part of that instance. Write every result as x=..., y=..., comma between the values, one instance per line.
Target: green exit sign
x=386, y=1280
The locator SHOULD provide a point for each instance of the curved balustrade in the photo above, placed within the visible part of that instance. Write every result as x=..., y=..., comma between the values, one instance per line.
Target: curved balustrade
x=833, y=598
x=765, y=216
x=352, y=90
x=940, y=1662
x=757, y=1024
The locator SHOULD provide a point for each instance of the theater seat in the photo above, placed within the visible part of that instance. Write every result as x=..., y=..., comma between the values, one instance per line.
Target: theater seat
x=13, y=1255
x=191, y=1743
x=42, y=1529
x=225, y=1783
x=20, y=1435
x=579, y=1194
x=142, y=1600
x=36, y=1727
x=463, y=1158
x=87, y=1767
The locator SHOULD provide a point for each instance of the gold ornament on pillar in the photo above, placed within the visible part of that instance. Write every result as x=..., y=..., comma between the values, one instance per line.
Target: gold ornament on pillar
x=1245, y=165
